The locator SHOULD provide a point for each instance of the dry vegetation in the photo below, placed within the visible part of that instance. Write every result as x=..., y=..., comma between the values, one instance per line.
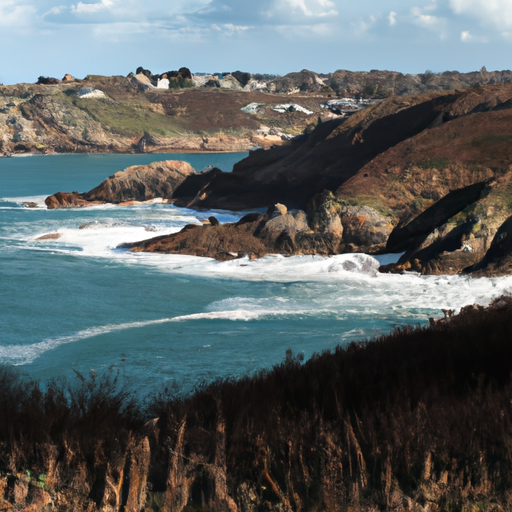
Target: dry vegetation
x=420, y=419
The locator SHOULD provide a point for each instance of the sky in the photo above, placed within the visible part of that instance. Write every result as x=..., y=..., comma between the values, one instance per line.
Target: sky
x=114, y=37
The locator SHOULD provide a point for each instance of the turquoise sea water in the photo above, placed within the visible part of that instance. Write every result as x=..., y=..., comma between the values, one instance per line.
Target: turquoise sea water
x=79, y=303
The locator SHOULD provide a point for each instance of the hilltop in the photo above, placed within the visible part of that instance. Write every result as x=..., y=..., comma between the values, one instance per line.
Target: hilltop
x=427, y=174
x=181, y=111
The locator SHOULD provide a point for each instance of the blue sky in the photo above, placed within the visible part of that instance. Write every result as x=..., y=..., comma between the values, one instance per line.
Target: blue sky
x=114, y=37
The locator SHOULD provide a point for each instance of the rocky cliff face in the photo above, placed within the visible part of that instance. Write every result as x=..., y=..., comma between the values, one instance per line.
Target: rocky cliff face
x=120, y=117
x=405, y=166
x=400, y=158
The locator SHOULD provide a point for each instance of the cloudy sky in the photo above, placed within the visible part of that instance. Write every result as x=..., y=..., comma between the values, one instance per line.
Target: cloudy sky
x=114, y=37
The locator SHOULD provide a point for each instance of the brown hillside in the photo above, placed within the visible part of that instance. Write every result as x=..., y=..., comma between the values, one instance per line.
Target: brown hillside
x=406, y=130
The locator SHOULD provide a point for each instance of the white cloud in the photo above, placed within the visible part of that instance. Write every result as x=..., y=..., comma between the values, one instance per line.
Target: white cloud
x=230, y=29
x=293, y=9
x=392, y=18
x=15, y=14
x=82, y=8
x=429, y=21
x=497, y=13
x=56, y=10
x=465, y=36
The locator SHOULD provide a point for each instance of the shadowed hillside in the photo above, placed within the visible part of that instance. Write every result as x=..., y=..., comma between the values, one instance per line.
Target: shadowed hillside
x=418, y=420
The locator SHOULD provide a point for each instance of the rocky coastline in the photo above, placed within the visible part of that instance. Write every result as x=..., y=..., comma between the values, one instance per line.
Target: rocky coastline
x=428, y=176
x=416, y=420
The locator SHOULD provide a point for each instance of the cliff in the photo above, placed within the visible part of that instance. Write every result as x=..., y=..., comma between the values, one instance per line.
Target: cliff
x=117, y=116
x=416, y=420
x=396, y=159
x=433, y=171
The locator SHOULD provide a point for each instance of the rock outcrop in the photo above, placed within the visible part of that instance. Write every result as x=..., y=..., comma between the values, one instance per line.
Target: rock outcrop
x=69, y=200
x=279, y=231
x=498, y=259
x=55, y=117
x=136, y=183
x=377, y=157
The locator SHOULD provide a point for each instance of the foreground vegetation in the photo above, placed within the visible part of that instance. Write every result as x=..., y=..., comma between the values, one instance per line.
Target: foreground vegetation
x=418, y=419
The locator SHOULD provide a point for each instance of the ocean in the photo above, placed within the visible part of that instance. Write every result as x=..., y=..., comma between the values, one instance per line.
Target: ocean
x=80, y=304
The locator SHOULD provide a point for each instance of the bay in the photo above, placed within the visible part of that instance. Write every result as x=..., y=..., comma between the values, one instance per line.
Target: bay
x=80, y=303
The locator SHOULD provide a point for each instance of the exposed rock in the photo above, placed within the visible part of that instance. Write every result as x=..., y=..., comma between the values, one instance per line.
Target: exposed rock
x=254, y=235
x=243, y=78
x=289, y=224
x=221, y=242
x=87, y=92
x=416, y=231
x=364, y=228
x=136, y=183
x=382, y=84
x=498, y=259
x=280, y=209
x=141, y=71
x=324, y=214
x=69, y=200
x=49, y=236
x=302, y=81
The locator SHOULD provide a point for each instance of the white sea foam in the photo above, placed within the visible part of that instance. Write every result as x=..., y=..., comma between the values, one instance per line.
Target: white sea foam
x=357, y=273
x=236, y=314
x=101, y=240
x=38, y=200
x=26, y=354
x=269, y=268
x=18, y=355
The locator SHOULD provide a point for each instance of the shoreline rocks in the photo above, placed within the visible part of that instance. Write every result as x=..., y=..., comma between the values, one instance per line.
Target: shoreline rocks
x=138, y=183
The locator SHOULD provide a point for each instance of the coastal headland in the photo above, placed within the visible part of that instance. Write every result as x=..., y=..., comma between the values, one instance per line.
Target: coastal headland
x=426, y=176
x=177, y=111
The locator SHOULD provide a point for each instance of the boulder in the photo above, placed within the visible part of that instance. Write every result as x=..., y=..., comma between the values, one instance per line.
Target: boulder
x=243, y=78
x=136, y=183
x=324, y=214
x=364, y=228
x=279, y=209
x=291, y=223
x=68, y=200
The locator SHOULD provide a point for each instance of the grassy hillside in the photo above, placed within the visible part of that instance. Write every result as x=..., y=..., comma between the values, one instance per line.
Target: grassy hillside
x=46, y=118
